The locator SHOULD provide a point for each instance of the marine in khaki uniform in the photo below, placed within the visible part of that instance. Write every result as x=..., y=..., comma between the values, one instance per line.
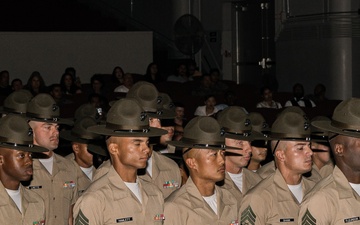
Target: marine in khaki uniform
x=200, y=201
x=276, y=199
x=161, y=170
x=270, y=167
x=322, y=162
x=336, y=198
x=18, y=205
x=84, y=145
x=54, y=178
x=120, y=196
x=259, y=145
x=236, y=125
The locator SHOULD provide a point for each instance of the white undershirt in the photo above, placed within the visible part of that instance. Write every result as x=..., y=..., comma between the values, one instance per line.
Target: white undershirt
x=237, y=178
x=48, y=163
x=88, y=171
x=16, y=197
x=356, y=187
x=212, y=202
x=149, y=166
x=297, y=191
x=135, y=189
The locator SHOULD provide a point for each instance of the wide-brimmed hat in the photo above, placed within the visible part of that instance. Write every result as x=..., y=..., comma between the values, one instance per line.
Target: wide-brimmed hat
x=147, y=95
x=165, y=102
x=86, y=110
x=235, y=122
x=126, y=118
x=260, y=128
x=291, y=126
x=16, y=102
x=202, y=132
x=80, y=134
x=43, y=108
x=15, y=133
x=345, y=119
x=317, y=134
x=295, y=109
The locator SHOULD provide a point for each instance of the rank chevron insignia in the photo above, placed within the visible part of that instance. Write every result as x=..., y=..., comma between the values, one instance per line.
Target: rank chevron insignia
x=248, y=216
x=81, y=219
x=308, y=219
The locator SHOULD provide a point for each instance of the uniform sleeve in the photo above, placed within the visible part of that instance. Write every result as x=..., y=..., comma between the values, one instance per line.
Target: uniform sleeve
x=88, y=210
x=317, y=209
x=172, y=214
x=253, y=210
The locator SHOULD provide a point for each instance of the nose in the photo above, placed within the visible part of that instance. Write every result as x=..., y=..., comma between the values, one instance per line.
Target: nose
x=221, y=156
x=309, y=150
x=247, y=147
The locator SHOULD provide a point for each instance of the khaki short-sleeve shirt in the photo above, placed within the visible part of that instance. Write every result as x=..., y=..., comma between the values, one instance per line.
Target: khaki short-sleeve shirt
x=108, y=201
x=332, y=201
x=186, y=206
x=59, y=189
x=33, y=208
x=271, y=202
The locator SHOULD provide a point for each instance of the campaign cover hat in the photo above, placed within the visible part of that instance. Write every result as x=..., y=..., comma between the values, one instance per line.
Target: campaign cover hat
x=260, y=128
x=80, y=134
x=126, y=118
x=85, y=110
x=17, y=102
x=15, y=133
x=235, y=122
x=43, y=108
x=148, y=96
x=345, y=119
x=317, y=134
x=291, y=125
x=201, y=132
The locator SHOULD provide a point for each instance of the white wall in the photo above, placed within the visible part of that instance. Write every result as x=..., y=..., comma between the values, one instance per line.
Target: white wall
x=50, y=53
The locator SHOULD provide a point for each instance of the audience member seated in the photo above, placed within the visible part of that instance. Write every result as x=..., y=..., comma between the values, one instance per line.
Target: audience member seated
x=97, y=85
x=319, y=94
x=268, y=102
x=118, y=75
x=36, y=84
x=68, y=85
x=208, y=109
x=205, y=88
x=152, y=74
x=229, y=100
x=299, y=99
x=216, y=83
x=193, y=70
x=56, y=92
x=5, y=88
x=181, y=74
x=16, y=84
x=128, y=83
x=76, y=79
x=179, y=114
x=100, y=103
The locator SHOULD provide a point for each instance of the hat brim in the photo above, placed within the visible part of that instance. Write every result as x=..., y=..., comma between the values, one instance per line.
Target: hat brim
x=327, y=126
x=259, y=136
x=181, y=144
x=32, y=148
x=239, y=136
x=66, y=134
x=102, y=130
x=97, y=149
x=57, y=121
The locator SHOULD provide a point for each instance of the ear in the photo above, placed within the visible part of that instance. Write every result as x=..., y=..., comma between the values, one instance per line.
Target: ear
x=75, y=147
x=191, y=163
x=338, y=149
x=279, y=154
x=1, y=160
x=113, y=148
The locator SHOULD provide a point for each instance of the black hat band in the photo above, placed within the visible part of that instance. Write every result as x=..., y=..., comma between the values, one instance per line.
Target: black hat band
x=290, y=136
x=244, y=133
x=10, y=110
x=344, y=126
x=194, y=142
x=39, y=117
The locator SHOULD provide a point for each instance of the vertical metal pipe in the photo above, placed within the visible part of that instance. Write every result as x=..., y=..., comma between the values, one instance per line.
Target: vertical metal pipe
x=237, y=44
